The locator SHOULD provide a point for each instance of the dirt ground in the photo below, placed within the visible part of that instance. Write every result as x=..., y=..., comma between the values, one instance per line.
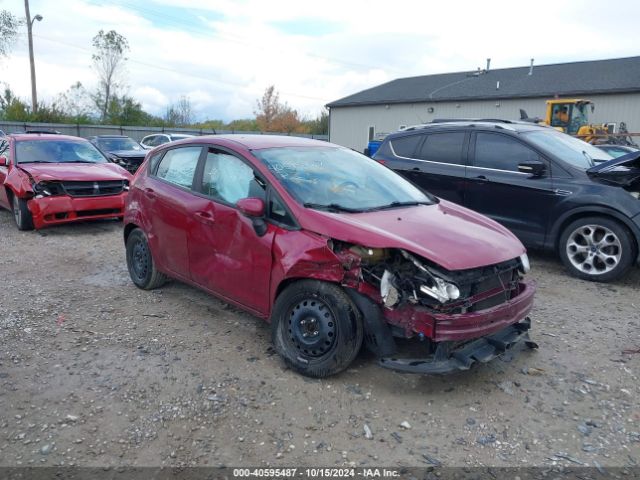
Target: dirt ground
x=94, y=372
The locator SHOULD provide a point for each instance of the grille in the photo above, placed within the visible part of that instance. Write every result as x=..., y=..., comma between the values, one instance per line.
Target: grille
x=503, y=276
x=507, y=280
x=93, y=189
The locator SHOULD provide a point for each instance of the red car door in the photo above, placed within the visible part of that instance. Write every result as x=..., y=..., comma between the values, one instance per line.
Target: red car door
x=4, y=170
x=166, y=197
x=226, y=256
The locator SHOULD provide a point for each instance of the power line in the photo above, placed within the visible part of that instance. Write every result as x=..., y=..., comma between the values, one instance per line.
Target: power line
x=182, y=73
x=239, y=41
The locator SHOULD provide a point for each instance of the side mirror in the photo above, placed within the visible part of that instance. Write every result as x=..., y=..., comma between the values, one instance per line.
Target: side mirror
x=252, y=207
x=3, y=161
x=535, y=168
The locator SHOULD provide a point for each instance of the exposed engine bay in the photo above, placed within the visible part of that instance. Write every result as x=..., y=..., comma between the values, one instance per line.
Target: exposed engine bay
x=404, y=278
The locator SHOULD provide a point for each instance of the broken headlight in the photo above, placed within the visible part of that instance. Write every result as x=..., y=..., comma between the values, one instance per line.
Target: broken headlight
x=441, y=290
x=525, y=266
x=47, y=189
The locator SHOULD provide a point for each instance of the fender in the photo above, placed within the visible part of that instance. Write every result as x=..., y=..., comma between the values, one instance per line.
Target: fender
x=20, y=182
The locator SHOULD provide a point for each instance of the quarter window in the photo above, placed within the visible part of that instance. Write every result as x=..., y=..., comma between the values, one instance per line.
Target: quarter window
x=406, y=146
x=178, y=166
x=229, y=179
x=443, y=148
x=501, y=152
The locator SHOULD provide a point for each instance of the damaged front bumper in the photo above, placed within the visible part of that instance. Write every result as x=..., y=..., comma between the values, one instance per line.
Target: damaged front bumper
x=447, y=359
x=48, y=211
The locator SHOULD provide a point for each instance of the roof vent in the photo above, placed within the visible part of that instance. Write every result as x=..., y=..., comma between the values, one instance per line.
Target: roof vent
x=488, y=64
x=531, y=67
x=498, y=85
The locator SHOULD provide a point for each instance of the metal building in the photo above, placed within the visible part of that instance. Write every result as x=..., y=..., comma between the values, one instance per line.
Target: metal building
x=613, y=85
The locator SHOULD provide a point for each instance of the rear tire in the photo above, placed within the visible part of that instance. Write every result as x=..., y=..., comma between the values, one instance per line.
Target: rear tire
x=316, y=328
x=21, y=214
x=598, y=249
x=142, y=268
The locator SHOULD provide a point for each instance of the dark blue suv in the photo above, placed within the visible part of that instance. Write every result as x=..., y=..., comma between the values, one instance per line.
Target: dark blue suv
x=550, y=189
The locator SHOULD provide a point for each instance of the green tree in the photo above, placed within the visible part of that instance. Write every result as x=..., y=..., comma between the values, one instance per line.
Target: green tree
x=179, y=114
x=108, y=60
x=9, y=25
x=244, y=125
x=76, y=103
x=320, y=124
x=12, y=108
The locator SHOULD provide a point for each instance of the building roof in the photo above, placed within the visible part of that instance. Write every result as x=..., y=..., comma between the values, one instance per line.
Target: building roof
x=619, y=75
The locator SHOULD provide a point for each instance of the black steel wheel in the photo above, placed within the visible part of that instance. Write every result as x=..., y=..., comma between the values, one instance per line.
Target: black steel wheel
x=140, y=264
x=316, y=328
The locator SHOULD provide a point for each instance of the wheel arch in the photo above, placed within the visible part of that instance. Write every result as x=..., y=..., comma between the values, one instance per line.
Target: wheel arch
x=563, y=221
x=128, y=228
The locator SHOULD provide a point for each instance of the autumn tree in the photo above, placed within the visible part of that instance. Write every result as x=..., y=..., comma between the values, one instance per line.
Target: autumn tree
x=9, y=25
x=274, y=116
x=108, y=60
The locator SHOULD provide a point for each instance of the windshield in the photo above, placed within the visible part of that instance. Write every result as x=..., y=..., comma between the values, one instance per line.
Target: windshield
x=569, y=149
x=115, y=144
x=335, y=178
x=57, y=151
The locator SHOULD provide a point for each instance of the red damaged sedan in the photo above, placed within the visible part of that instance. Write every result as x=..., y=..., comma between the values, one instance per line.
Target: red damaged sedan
x=330, y=247
x=53, y=179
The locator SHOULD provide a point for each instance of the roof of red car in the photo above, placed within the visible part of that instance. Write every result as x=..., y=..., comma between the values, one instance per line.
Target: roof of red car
x=256, y=142
x=45, y=136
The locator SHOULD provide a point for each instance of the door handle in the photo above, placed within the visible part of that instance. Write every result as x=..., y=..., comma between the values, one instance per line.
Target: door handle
x=205, y=217
x=416, y=169
x=150, y=193
x=481, y=179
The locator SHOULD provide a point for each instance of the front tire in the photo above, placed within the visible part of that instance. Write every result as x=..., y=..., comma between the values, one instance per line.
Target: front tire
x=142, y=268
x=21, y=214
x=597, y=249
x=316, y=328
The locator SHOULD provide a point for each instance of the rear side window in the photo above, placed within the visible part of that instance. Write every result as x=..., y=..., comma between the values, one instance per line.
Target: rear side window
x=406, y=146
x=501, y=152
x=178, y=166
x=443, y=148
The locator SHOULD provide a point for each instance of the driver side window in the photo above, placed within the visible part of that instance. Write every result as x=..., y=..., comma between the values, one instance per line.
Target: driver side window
x=228, y=179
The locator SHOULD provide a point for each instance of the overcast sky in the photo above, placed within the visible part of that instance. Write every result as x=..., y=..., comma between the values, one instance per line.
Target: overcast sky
x=222, y=54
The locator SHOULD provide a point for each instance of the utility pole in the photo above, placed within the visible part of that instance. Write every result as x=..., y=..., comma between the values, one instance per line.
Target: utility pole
x=34, y=95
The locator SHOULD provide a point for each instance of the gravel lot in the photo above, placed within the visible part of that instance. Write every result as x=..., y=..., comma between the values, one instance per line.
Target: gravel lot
x=95, y=372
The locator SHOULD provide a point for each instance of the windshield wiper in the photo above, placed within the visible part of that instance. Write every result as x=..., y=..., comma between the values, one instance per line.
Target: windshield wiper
x=331, y=207
x=411, y=203
x=35, y=161
x=78, y=161
x=588, y=157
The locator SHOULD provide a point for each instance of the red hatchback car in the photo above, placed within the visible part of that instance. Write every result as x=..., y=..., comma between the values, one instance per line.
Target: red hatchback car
x=330, y=247
x=52, y=179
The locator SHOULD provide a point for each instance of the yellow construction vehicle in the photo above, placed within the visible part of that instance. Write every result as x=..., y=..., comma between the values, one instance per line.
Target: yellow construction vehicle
x=571, y=115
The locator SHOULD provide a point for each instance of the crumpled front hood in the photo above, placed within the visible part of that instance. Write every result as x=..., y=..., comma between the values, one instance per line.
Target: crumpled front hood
x=137, y=154
x=75, y=171
x=447, y=234
x=623, y=171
